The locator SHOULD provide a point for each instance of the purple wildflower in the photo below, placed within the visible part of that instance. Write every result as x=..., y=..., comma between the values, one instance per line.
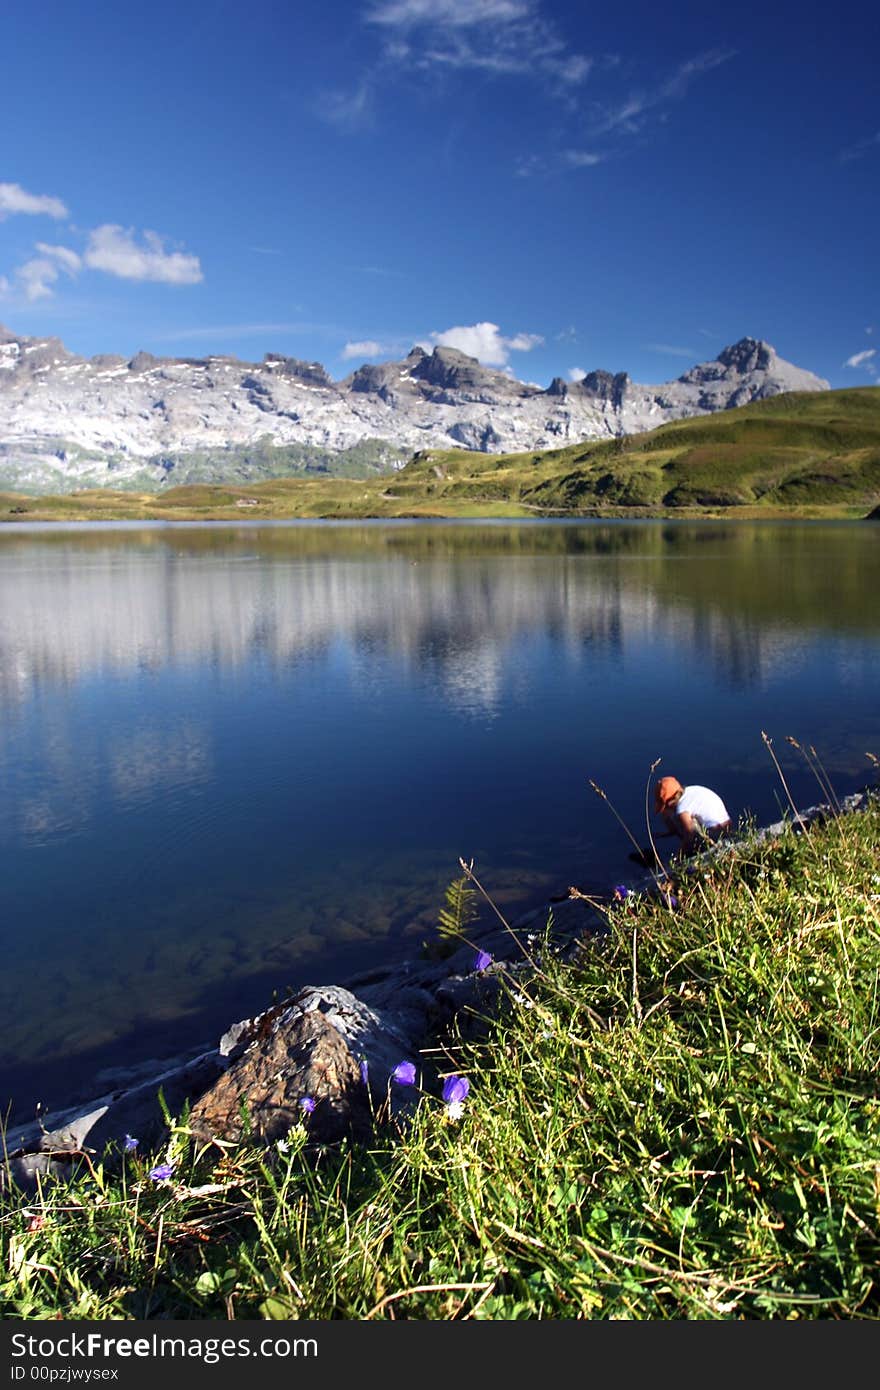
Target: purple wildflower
x=129, y=1144
x=621, y=892
x=455, y=1088
x=161, y=1172
x=365, y=1071
x=404, y=1074
x=307, y=1103
x=482, y=961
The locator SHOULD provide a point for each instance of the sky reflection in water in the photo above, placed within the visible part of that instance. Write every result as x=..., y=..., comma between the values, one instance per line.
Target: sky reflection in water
x=238, y=759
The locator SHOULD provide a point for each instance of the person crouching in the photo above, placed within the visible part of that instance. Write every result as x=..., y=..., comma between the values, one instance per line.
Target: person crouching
x=696, y=814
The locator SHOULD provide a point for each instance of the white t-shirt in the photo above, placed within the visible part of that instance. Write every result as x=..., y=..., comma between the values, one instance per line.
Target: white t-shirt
x=706, y=807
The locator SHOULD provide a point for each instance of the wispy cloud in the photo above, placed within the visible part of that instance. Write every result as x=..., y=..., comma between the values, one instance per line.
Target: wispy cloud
x=368, y=348
x=465, y=14
x=863, y=359
x=67, y=259
x=348, y=110
x=114, y=250
x=486, y=342
x=605, y=125
x=630, y=116
x=557, y=162
x=496, y=36
x=576, y=374
x=861, y=147
x=37, y=277
x=15, y=199
x=581, y=159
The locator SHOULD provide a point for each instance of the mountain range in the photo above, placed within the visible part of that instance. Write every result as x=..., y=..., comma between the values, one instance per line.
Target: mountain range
x=144, y=423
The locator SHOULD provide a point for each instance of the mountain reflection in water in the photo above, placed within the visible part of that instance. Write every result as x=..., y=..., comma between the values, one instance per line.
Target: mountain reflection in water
x=240, y=758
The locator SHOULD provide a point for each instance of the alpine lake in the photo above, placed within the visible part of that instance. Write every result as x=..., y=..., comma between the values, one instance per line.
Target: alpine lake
x=237, y=759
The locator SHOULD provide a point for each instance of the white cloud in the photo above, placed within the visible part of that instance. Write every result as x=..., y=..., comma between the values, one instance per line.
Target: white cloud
x=858, y=359
x=580, y=159
x=486, y=342
x=14, y=198
x=523, y=342
x=113, y=249
x=37, y=278
x=576, y=374
x=67, y=259
x=368, y=348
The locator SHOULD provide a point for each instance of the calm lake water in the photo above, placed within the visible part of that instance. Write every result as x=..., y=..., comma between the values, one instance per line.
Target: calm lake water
x=239, y=759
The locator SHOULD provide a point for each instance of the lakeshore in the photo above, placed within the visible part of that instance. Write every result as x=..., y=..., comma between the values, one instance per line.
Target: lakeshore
x=676, y=1119
x=402, y=1008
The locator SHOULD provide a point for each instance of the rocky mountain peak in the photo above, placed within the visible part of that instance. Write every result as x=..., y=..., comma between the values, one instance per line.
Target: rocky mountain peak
x=448, y=367
x=311, y=373
x=748, y=355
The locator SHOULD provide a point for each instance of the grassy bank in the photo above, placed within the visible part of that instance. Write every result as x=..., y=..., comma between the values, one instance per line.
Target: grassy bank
x=809, y=455
x=682, y=1121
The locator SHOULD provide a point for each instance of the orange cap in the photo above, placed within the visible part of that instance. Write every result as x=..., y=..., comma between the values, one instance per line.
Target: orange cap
x=665, y=790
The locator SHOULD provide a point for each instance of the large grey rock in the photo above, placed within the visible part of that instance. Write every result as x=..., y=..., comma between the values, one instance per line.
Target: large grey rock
x=295, y=1056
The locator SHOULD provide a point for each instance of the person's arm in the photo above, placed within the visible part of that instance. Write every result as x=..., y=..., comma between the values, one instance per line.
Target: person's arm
x=688, y=830
x=673, y=827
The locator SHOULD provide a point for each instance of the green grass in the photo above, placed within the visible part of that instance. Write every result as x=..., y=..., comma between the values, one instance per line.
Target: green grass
x=809, y=454
x=682, y=1121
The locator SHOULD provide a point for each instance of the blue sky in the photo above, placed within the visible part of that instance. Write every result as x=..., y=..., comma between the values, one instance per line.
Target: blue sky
x=551, y=187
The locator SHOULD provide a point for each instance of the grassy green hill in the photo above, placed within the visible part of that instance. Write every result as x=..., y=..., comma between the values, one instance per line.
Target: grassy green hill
x=794, y=451
x=801, y=454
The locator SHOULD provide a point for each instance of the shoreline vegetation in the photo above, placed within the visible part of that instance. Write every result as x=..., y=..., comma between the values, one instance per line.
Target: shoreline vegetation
x=677, y=1118
x=806, y=455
